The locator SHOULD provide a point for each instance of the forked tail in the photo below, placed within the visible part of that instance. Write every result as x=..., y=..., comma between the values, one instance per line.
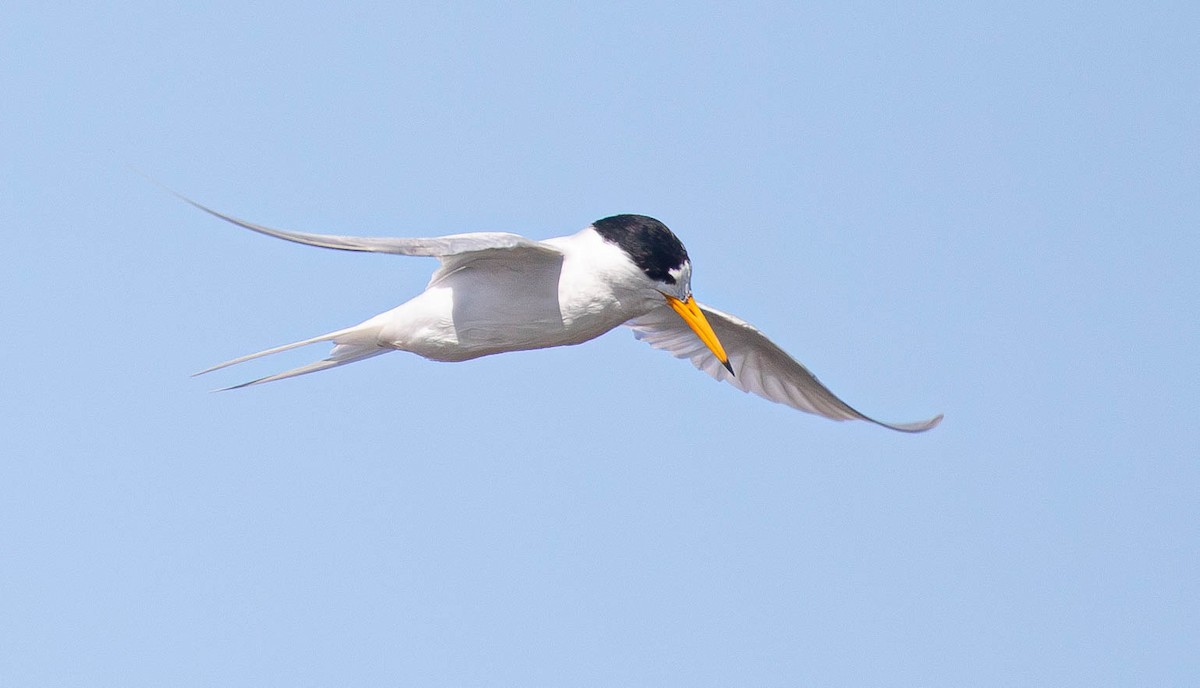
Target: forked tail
x=350, y=345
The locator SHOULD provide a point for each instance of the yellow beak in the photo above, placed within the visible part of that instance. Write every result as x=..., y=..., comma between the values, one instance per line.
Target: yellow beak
x=694, y=317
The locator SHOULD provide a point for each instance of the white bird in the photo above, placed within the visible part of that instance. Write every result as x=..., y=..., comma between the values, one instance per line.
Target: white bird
x=498, y=292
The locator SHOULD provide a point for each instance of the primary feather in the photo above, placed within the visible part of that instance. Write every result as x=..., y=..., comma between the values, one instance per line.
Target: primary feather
x=760, y=366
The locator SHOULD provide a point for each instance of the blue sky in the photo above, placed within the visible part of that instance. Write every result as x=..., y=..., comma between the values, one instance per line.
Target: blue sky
x=986, y=212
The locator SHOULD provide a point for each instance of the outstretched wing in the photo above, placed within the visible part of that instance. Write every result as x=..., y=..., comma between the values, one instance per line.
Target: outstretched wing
x=760, y=366
x=454, y=250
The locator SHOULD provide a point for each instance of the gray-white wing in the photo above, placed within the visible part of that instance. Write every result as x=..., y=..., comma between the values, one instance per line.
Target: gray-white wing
x=760, y=366
x=438, y=247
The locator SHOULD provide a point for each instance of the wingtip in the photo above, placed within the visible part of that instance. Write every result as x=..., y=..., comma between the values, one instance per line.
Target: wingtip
x=163, y=186
x=185, y=199
x=218, y=366
x=919, y=426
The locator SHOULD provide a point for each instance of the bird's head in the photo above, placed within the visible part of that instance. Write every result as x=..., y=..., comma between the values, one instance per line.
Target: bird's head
x=663, y=260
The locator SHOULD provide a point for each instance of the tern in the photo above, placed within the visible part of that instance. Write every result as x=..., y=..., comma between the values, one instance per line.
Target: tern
x=496, y=292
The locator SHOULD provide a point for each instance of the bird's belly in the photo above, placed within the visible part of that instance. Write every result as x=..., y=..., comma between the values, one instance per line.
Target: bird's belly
x=458, y=320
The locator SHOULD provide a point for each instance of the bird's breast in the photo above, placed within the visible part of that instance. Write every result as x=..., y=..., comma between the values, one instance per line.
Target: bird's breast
x=491, y=307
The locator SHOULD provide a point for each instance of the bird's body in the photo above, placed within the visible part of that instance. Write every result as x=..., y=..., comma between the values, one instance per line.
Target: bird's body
x=497, y=292
x=568, y=294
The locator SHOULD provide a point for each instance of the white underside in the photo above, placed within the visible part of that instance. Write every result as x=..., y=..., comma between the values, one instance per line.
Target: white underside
x=518, y=300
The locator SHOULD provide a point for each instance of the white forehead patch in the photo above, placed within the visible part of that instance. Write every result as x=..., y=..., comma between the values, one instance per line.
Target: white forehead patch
x=683, y=277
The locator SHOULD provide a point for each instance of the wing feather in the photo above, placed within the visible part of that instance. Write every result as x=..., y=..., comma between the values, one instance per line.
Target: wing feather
x=760, y=365
x=438, y=247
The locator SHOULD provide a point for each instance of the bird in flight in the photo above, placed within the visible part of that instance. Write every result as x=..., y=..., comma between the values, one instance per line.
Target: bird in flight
x=496, y=292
